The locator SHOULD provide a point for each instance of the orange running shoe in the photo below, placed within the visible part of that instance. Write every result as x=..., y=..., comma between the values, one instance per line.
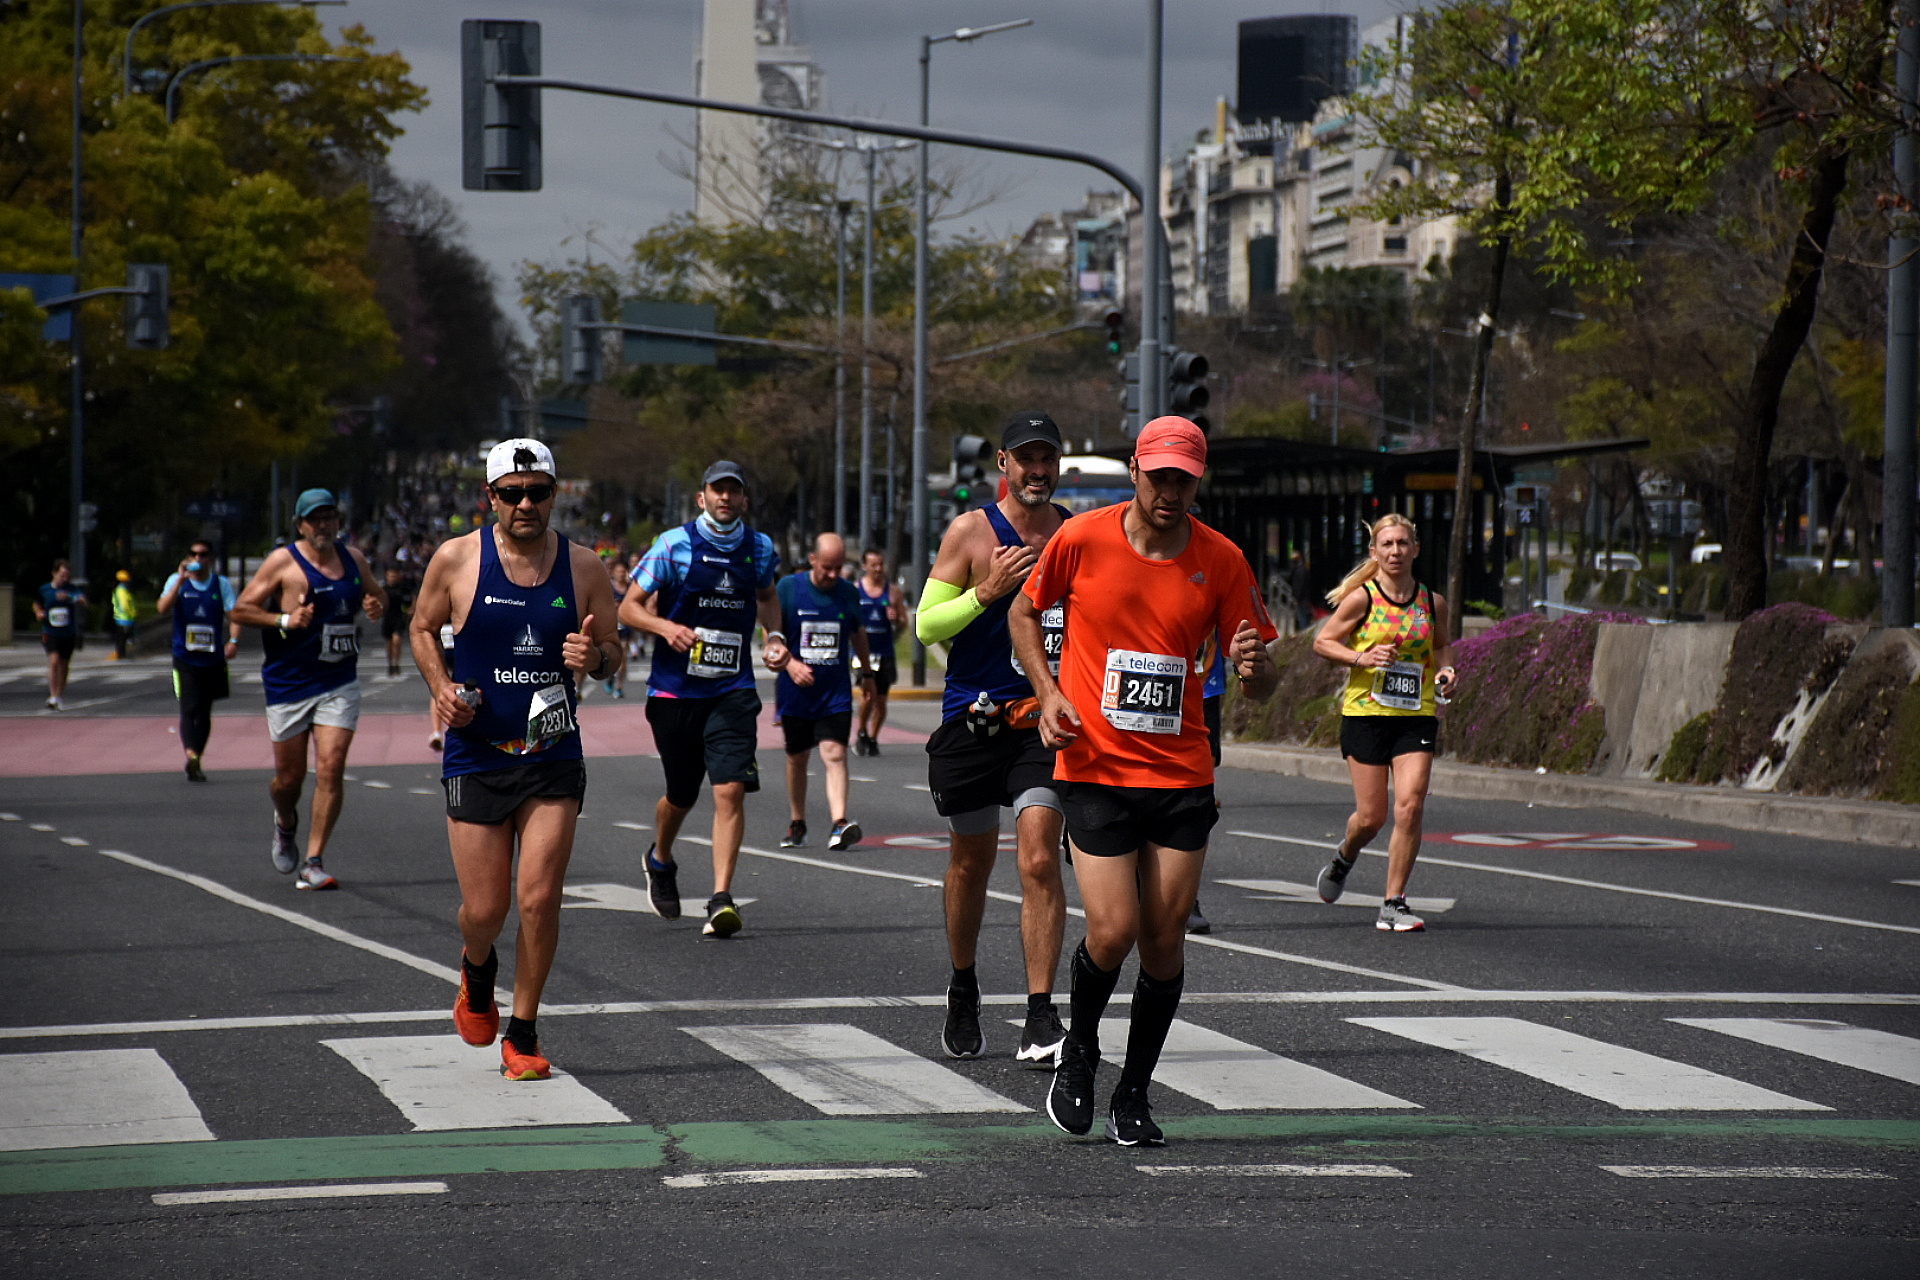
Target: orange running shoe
x=515, y=1065
x=475, y=1028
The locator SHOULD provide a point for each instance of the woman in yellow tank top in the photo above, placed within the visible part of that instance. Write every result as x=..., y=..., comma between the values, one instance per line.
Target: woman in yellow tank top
x=1392, y=633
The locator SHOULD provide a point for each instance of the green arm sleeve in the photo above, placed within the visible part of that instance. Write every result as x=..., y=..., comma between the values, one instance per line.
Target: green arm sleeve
x=944, y=611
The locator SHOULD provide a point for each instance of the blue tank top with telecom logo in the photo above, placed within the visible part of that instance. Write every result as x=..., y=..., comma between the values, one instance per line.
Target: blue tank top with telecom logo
x=719, y=599
x=304, y=662
x=199, y=623
x=980, y=659
x=511, y=647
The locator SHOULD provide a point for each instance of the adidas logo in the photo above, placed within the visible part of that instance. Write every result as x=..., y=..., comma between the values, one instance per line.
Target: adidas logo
x=1200, y=577
x=725, y=583
x=559, y=602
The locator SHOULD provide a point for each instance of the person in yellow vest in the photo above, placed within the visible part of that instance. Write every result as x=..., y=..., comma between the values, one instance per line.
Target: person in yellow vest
x=124, y=614
x=1392, y=634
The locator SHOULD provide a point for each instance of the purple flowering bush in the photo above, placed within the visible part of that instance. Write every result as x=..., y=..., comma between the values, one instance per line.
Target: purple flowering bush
x=1524, y=694
x=1777, y=653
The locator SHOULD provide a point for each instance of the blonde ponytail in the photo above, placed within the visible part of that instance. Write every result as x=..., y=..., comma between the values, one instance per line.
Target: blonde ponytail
x=1364, y=571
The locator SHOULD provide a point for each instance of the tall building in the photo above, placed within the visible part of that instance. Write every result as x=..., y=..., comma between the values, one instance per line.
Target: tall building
x=747, y=54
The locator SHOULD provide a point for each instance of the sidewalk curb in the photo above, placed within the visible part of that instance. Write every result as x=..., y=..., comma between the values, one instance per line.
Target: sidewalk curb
x=1861, y=821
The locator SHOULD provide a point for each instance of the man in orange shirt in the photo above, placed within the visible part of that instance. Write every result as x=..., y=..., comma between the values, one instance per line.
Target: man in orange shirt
x=1145, y=586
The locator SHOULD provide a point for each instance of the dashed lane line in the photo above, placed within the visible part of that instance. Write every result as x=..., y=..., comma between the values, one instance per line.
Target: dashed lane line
x=1575, y=881
x=329, y=1191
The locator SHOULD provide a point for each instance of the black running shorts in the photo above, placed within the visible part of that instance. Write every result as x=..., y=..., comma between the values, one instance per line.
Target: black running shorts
x=702, y=739
x=61, y=646
x=195, y=685
x=886, y=670
x=1110, y=822
x=492, y=798
x=801, y=734
x=967, y=772
x=1376, y=740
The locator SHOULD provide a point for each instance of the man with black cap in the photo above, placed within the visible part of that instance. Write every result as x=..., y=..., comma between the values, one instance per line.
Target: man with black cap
x=698, y=591
x=306, y=597
x=978, y=762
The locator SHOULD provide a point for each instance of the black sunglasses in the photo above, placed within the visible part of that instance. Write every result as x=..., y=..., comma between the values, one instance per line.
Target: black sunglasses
x=511, y=494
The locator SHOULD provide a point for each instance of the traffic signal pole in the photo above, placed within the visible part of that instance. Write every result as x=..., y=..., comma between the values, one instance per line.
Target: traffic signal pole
x=1153, y=393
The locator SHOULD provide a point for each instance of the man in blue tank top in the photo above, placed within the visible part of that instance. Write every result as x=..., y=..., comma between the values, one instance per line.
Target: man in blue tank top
x=61, y=609
x=306, y=596
x=698, y=592
x=884, y=609
x=205, y=640
x=813, y=696
x=532, y=614
x=977, y=762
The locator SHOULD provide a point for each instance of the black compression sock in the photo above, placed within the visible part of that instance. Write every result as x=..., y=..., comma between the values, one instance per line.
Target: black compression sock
x=965, y=980
x=1038, y=1002
x=520, y=1034
x=480, y=980
x=1154, y=1003
x=1091, y=988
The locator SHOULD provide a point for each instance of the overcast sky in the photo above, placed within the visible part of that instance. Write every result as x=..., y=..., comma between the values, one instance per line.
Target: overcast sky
x=1074, y=78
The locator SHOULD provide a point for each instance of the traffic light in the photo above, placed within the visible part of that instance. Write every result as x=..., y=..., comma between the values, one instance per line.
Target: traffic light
x=499, y=124
x=579, y=345
x=148, y=328
x=1187, y=387
x=971, y=454
x=1130, y=396
x=1116, y=331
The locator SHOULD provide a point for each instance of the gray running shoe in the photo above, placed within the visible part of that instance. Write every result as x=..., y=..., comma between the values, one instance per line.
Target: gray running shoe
x=1130, y=1119
x=723, y=918
x=314, y=876
x=1041, y=1038
x=845, y=835
x=1070, y=1100
x=286, y=855
x=962, y=1037
x=1395, y=918
x=796, y=837
x=663, y=885
x=1333, y=880
x=1196, y=922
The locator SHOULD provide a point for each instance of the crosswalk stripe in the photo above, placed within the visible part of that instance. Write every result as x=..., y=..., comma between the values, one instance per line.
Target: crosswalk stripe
x=1626, y=1078
x=1233, y=1075
x=844, y=1071
x=1880, y=1052
x=94, y=1098
x=1737, y=1171
x=748, y=1177
x=438, y=1082
x=1274, y=1170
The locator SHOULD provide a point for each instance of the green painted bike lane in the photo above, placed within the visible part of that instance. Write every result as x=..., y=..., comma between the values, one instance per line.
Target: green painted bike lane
x=810, y=1143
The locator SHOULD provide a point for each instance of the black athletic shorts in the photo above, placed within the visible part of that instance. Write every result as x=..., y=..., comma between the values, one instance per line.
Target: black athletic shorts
x=492, y=798
x=1109, y=822
x=1378, y=739
x=196, y=685
x=702, y=739
x=803, y=734
x=886, y=670
x=62, y=645
x=966, y=772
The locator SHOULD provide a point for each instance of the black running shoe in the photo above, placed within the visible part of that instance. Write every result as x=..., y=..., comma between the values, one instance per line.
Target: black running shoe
x=194, y=772
x=796, y=837
x=723, y=918
x=1041, y=1038
x=1196, y=922
x=845, y=834
x=663, y=886
x=962, y=1037
x=1130, y=1119
x=1070, y=1100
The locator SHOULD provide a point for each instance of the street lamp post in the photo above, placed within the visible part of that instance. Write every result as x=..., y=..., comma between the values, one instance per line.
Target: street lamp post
x=917, y=579
x=173, y=85
x=126, y=61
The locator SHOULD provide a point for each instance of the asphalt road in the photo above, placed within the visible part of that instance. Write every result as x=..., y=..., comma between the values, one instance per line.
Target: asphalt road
x=1624, y=1046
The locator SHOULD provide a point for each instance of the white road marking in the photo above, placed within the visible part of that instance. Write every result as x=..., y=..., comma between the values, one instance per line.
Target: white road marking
x=1232, y=1075
x=379, y=786
x=439, y=1082
x=1880, y=1052
x=422, y=791
x=1911, y=882
x=1290, y=891
x=94, y=1098
x=131, y=677
x=842, y=1070
x=621, y=897
x=1427, y=859
x=1610, y=1073
x=1275, y=1170
x=744, y=1177
x=75, y=841
x=326, y=1191
x=1737, y=1171
x=1454, y=995
x=918, y=786
x=857, y=777
x=633, y=826
x=38, y=826
x=9, y=817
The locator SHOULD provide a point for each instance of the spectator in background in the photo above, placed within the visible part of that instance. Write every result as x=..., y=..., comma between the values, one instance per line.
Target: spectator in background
x=125, y=613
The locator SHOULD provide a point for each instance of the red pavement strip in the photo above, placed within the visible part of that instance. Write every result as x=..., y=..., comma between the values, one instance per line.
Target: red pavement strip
x=61, y=747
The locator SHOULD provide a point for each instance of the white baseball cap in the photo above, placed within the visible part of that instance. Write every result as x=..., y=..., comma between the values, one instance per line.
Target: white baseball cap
x=510, y=456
